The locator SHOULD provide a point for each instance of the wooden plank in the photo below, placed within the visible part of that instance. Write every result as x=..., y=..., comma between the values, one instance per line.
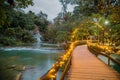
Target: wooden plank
x=86, y=66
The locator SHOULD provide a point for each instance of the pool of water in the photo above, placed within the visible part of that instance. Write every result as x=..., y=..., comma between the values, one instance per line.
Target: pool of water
x=36, y=60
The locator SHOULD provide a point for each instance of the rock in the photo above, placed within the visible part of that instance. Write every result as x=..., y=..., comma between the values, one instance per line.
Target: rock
x=12, y=67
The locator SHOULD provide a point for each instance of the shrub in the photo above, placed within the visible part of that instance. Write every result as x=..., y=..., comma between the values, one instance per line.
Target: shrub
x=7, y=41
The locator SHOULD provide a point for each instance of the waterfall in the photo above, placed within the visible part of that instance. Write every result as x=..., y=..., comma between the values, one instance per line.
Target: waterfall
x=38, y=38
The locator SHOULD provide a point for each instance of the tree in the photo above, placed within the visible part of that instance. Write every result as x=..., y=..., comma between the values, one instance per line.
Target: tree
x=64, y=8
x=62, y=36
x=11, y=3
x=41, y=21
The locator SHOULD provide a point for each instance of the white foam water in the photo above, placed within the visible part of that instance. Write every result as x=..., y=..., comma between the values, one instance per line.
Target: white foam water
x=44, y=49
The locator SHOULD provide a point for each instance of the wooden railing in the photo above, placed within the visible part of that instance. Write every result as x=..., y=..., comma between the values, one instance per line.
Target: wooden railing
x=104, y=54
x=64, y=60
x=51, y=74
x=66, y=68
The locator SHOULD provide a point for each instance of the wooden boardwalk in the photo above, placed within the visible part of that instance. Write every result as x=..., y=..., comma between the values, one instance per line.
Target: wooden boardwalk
x=86, y=66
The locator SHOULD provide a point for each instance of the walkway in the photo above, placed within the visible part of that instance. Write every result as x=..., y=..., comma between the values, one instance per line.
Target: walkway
x=85, y=66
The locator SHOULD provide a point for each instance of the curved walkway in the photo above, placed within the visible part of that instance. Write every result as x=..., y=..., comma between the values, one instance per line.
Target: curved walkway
x=86, y=66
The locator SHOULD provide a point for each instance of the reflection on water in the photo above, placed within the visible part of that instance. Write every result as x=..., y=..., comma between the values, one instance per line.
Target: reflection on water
x=37, y=61
x=115, y=66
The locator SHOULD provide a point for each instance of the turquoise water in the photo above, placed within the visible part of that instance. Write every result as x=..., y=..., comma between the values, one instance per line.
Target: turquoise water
x=37, y=62
x=113, y=65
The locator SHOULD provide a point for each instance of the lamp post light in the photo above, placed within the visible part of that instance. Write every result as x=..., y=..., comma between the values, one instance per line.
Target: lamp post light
x=106, y=23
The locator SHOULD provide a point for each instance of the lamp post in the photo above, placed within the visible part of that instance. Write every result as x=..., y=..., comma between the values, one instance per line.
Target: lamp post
x=110, y=41
x=106, y=23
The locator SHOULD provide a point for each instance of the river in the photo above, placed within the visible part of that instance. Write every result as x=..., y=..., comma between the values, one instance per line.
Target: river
x=36, y=60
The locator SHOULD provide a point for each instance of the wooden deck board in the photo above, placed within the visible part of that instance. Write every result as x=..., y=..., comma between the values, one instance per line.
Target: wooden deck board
x=86, y=66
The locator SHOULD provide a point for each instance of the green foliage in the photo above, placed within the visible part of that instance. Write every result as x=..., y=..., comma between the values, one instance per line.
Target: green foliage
x=20, y=19
x=84, y=8
x=50, y=35
x=84, y=13
x=82, y=34
x=7, y=41
x=62, y=36
x=2, y=13
x=41, y=21
x=26, y=36
x=115, y=32
x=16, y=36
x=23, y=3
x=16, y=26
x=10, y=32
x=11, y=4
x=18, y=33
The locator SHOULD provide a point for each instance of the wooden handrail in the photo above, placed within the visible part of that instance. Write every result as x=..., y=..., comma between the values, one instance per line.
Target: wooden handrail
x=66, y=68
x=51, y=74
x=104, y=54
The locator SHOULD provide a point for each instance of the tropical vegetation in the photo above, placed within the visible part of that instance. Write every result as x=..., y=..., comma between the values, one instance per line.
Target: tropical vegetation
x=16, y=26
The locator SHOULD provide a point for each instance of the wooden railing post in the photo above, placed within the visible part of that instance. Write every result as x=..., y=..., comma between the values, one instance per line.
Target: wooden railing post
x=108, y=60
x=108, y=55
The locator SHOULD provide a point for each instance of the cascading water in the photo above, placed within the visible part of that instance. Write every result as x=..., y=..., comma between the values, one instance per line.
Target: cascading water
x=38, y=38
x=36, y=59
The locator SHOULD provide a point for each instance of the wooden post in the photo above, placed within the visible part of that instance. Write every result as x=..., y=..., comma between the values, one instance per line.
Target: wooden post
x=108, y=59
x=103, y=37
